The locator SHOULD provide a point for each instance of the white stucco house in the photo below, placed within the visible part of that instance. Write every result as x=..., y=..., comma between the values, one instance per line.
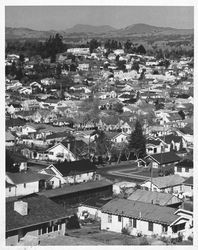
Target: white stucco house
x=168, y=184
x=24, y=183
x=140, y=218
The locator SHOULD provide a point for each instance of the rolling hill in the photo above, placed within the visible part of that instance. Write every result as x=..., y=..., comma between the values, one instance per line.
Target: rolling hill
x=90, y=30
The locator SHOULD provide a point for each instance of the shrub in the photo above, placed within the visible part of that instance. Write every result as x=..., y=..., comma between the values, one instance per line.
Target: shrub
x=190, y=238
x=125, y=231
x=73, y=222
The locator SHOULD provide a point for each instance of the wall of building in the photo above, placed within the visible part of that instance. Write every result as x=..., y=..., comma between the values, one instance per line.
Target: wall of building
x=29, y=188
x=183, y=172
x=141, y=226
x=10, y=192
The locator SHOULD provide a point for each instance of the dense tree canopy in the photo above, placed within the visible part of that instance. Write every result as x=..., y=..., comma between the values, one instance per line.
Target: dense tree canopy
x=137, y=141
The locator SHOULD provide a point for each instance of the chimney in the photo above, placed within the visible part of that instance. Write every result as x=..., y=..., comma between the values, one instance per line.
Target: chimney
x=68, y=146
x=21, y=207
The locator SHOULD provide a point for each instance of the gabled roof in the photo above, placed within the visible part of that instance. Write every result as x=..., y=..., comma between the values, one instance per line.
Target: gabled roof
x=164, y=158
x=167, y=181
x=169, y=138
x=153, y=141
x=15, y=122
x=185, y=163
x=157, y=198
x=140, y=210
x=75, y=167
x=76, y=188
x=189, y=181
x=40, y=210
x=27, y=177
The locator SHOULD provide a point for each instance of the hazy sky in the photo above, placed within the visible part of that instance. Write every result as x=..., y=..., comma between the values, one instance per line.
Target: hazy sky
x=62, y=17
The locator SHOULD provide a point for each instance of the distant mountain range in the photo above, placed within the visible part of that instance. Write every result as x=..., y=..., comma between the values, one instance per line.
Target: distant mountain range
x=90, y=30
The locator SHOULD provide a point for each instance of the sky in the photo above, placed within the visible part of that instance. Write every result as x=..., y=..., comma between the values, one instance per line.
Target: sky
x=63, y=17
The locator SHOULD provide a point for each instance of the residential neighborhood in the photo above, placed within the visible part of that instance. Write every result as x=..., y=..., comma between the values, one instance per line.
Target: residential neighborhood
x=99, y=142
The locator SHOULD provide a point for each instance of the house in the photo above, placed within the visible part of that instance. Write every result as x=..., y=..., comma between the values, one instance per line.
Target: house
x=156, y=198
x=187, y=187
x=140, y=218
x=10, y=139
x=83, y=66
x=26, y=182
x=30, y=104
x=173, y=142
x=161, y=159
x=155, y=145
x=117, y=137
x=60, y=152
x=30, y=218
x=168, y=184
x=184, y=168
x=72, y=172
x=44, y=116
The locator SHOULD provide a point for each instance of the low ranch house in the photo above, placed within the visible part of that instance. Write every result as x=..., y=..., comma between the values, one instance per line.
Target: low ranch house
x=30, y=218
x=141, y=218
x=159, y=160
x=168, y=184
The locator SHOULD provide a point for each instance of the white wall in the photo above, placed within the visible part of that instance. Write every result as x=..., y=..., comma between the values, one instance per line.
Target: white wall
x=141, y=226
x=11, y=192
x=32, y=187
x=183, y=173
x=59, y=149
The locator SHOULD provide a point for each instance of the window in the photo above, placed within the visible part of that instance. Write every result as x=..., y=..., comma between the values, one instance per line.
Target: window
x=9, y=189
x=178, y=169
x=187, y=170
x=155, y=150
x=134, y=223
x=119, y=218
x=164, y=228
x=44, y=230
x=24, y=185
x=130, y=222
x=150, y=226
x=49, y=229
x=55, y=227
x=109, y=218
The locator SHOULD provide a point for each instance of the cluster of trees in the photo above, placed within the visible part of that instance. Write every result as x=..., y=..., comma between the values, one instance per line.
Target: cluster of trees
x=129, y=47
x=46, y=49
x=94, y=44
x=112, y=45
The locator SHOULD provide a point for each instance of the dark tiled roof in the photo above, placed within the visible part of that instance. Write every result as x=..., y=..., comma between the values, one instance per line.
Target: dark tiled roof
x=169, y=138
x=27, y=177
x=165, y=158
x=75, y=167
x=96, y=202
x=162, y=199
x=185, y=163
x=15, y=122
x=137, y=209
x=188, y=181
x=76, y=188
x=153, y=142
x=40, y=210
x=57, y=135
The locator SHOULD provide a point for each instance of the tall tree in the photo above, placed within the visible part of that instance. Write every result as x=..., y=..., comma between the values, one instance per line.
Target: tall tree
x=137, y=141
